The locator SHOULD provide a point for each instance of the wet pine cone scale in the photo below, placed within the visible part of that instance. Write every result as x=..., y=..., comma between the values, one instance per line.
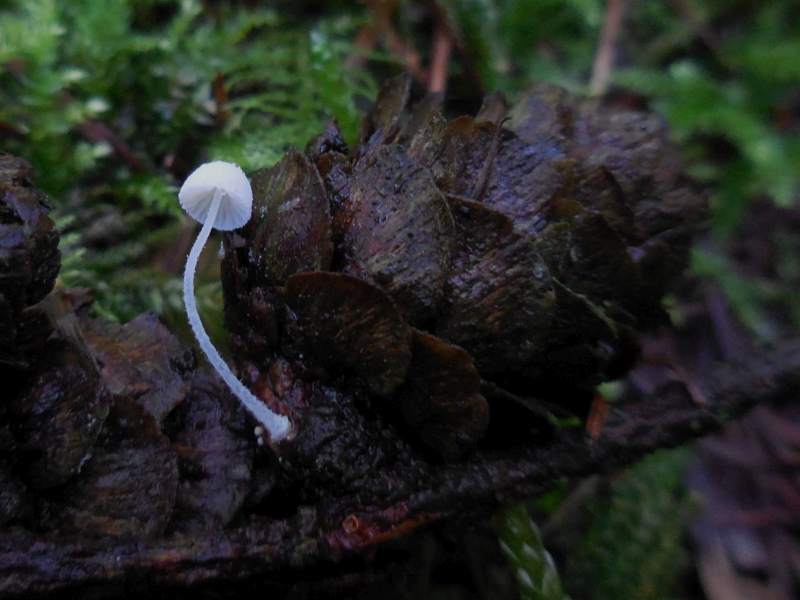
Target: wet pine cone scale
x=523, y=249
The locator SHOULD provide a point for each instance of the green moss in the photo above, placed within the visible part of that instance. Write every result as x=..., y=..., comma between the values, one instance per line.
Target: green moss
x=144, y=71
x=634, y=548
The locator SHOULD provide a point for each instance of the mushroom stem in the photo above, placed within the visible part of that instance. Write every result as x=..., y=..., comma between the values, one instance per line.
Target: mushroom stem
x=277, y=425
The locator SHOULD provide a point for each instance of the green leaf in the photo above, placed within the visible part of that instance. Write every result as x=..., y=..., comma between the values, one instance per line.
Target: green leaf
x=522, y=544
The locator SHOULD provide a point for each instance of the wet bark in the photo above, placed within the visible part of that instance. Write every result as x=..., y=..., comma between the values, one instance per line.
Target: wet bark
x=306, y=545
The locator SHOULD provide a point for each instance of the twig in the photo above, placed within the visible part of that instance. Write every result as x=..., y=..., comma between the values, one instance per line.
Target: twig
x=604, y=59
x=598, y=413
x=381, y=12
x=441, y=15
x=220, y=93
x=440, y=59
x=97, y=131
x=10, y=129
x=406, y=53
x=365, y=42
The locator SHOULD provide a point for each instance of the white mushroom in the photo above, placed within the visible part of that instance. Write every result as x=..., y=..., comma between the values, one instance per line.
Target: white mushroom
x=218, y=195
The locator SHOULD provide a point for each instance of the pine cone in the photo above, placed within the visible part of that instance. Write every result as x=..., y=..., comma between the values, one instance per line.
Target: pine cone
x=29, y=263
x=441, y=265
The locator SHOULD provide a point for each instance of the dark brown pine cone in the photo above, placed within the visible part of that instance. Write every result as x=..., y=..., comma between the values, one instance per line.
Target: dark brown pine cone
x=442, y=265
x=29, y=263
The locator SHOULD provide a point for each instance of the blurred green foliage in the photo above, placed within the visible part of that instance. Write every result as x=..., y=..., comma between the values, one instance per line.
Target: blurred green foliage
x=144, y=70
x=732, y=94
x=81, y=60
x=634, y=548
x=515, y=42
x=755, y=299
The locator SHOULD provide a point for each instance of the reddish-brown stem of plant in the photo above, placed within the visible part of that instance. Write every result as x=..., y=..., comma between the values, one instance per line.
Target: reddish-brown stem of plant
x=440, y=60
x=604, y=59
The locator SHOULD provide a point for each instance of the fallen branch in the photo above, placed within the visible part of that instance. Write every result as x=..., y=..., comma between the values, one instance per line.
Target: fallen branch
x=286, y=550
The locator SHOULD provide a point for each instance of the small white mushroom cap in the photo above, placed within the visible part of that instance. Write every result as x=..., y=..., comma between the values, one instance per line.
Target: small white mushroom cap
x=218, y=177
